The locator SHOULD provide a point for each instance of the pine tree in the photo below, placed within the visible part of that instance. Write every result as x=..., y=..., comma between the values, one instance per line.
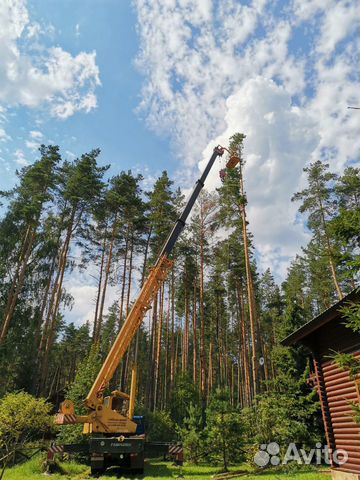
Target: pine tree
x=25, y=210
x=81, y=185
x=161, y=208
x=318, y=201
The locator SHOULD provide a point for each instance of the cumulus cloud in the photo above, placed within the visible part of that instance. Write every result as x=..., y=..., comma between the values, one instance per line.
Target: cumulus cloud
x=215, y=68
x=20, y=159
x=83, y=288
x=43, y=76
x=36, y=134
x=279, y=138
x=195, y=54
x=4, y=137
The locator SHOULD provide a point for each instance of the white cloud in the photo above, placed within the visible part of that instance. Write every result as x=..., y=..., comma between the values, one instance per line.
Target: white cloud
x=193, y=61
x=20, y=159
x=339, y=22
x=83, y=287
x=34, y=141
x=208, y=69
x=36, y=134
x=83, y=309
x=188, y=55
x=70, y=154
x=42, y=76
x=32, y=145
x=279, y=138
x=4, y=137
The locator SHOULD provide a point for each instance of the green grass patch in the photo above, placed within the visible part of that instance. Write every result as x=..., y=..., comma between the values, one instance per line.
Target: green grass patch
x=33, y=470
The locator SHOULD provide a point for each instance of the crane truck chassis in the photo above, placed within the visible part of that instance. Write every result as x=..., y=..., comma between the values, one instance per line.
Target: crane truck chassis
x=118, y=438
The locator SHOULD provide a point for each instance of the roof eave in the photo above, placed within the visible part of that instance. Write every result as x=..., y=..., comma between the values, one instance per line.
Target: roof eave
x=322, y=319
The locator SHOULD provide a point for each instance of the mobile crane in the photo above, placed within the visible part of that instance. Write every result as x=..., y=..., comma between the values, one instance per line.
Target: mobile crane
x=117, y=437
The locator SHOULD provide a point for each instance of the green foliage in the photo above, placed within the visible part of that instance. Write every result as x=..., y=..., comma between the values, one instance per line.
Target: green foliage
x=23, y=418
x=193, y=435
x=347, y=361
x=289, y=411
x=159, y=426
x=317, y=198
x=37, y=182
x=236, y=144
x=224, y=430
x=183, y=394
x=351, y=312
x=220, y=442
x=161, y=210
x=86, y=373
x=77, y=392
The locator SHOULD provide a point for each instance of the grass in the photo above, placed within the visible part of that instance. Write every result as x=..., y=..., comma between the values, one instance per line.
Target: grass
x=32, y=470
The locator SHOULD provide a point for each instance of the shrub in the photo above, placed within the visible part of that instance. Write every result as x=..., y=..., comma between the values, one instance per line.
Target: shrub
x=159, y=426
x=23, y=418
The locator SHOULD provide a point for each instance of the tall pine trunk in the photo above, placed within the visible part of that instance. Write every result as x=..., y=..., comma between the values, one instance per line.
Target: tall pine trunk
x=18, y=281
x=98, y=295
x=250, y=290
x=106, y=281
x=194, y=332
x=52, y=317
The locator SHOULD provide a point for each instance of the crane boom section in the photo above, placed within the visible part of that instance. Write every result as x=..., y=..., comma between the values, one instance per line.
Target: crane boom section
x=132, y=323
x=180, y=223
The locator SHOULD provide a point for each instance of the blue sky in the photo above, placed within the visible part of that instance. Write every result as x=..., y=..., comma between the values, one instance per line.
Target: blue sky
x=156, y=84
x=108, y=28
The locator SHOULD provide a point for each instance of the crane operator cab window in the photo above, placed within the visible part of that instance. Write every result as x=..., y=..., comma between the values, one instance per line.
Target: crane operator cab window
x=120, y=405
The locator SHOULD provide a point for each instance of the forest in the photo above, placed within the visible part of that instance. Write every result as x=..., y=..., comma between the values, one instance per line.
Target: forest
x=212, y=341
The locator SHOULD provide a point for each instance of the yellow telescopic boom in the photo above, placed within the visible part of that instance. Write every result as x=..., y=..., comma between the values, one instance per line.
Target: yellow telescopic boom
x=132, y=323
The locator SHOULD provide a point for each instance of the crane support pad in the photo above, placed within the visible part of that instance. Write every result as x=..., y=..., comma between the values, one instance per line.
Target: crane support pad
x=63, y=419
x=70, y=448
x=174, y=451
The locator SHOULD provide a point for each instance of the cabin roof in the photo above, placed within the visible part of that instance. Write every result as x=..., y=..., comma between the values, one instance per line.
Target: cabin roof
x=321, y=320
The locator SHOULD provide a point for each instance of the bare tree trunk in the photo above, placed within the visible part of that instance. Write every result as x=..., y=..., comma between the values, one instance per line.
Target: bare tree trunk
x=210, y=370
x=106, y=281
x=141, y=284
x=52, y=317
x=121, y=307
x=172, y=340
x=202, y=321
x=194, y=318
x=167, y=347
x=151, y=358
x=329, y=250
x=244, y=342
x=18, y=282
x=146, y=253
x=103, y=249
x=186, y=329
x=19, y=266
x=125, y=361
x=158, y=347
x=250, y=290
